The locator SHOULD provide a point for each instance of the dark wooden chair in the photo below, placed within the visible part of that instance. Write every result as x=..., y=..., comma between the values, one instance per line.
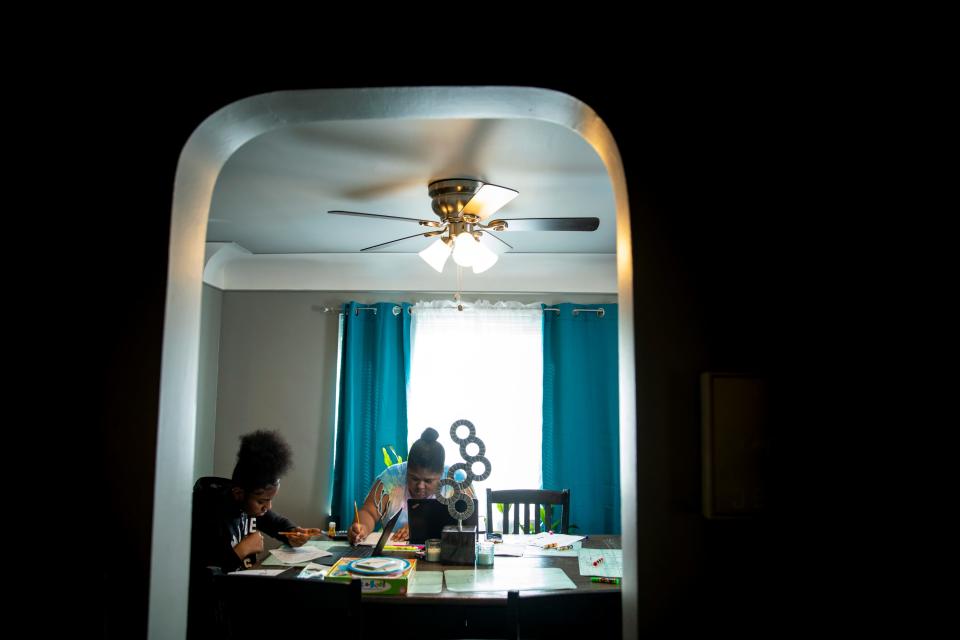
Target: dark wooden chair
x=522, y=501
x=251, y=606
x=568, y=614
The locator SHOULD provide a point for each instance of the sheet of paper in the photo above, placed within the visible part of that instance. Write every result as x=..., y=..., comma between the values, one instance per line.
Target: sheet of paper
x=609, y=562
x=534, y=552
x=522, y=545
x=297, y=555
x=504, y=549
x=549, y=540
x=371, y=540
x=258, y=572
x=507, y=579
x=425, y=582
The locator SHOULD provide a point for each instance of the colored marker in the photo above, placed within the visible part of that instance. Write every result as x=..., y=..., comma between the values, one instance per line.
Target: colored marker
x=403, y=547
x=598, y=561
x=605, y=579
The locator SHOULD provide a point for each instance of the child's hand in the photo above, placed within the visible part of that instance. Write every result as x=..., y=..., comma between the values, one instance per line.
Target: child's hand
x=300, y=536
x=357, y=532
x=251, y=543
x=402, y=534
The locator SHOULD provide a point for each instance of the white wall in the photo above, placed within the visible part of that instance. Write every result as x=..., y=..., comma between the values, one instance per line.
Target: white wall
x=207, y=375
x=278, y=365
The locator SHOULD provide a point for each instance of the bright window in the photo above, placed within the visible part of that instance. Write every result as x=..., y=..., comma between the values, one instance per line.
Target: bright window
x=484, y=364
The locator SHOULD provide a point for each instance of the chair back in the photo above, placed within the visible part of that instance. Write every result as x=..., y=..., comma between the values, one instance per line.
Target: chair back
x=253, y=606
x=569, y=614
x=523, y=501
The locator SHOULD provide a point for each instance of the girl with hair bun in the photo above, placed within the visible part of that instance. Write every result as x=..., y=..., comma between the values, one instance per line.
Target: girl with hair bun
x=418, y=477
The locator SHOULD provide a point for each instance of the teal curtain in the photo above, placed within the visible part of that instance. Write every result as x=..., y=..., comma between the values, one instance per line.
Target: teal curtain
x=372, y=414
x=581, y=442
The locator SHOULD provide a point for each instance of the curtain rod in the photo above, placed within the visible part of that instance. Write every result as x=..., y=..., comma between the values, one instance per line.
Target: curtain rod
x=396, y=310
x=600, y=312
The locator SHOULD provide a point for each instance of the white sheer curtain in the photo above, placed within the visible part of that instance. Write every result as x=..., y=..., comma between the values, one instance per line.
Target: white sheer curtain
x=485, y=364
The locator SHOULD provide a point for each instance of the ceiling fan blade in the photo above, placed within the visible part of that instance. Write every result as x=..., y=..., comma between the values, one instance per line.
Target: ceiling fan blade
x=383, y=244
x=488, y=199
x=496, y=238
x=430, y=223
x=549, y=224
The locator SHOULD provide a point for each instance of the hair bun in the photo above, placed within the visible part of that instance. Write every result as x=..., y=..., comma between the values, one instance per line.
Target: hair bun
x=429, y=435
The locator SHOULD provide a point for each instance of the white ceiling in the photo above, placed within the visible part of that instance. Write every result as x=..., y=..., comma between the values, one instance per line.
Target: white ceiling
x=272, y=195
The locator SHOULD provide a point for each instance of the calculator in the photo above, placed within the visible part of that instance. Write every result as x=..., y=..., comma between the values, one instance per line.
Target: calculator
x=340, y=535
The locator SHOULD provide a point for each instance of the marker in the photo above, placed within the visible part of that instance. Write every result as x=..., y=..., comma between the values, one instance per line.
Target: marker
x=604, y=579
x=598, y=561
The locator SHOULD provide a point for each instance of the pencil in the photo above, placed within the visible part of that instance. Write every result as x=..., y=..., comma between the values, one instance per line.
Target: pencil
x=356, y=513
x=306, y=532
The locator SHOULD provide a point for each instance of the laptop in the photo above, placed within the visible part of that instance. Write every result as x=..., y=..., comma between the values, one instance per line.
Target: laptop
x=428, y=517
x=349, y=551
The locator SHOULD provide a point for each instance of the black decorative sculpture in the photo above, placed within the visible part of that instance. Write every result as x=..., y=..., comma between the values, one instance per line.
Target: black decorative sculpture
x=459, y=544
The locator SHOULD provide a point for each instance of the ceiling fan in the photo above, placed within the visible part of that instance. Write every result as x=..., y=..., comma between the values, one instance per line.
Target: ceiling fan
x=464, y=206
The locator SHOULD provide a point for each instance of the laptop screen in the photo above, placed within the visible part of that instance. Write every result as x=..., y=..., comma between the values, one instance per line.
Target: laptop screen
x=428, y=517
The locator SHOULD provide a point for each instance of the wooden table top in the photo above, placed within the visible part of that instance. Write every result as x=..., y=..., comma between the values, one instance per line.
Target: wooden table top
x=569, y=564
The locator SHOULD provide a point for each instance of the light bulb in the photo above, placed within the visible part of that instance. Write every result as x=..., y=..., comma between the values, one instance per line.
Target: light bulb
x=436, y=255
x=465, y=249
x=483, y=258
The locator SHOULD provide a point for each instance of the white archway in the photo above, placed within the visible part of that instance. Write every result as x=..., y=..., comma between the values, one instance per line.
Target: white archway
x=201, y=161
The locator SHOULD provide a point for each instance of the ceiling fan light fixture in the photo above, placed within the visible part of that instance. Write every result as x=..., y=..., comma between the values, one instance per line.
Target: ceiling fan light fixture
x=465, y=249
x=436, y=254
x=483, y=258
x=462, y=204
